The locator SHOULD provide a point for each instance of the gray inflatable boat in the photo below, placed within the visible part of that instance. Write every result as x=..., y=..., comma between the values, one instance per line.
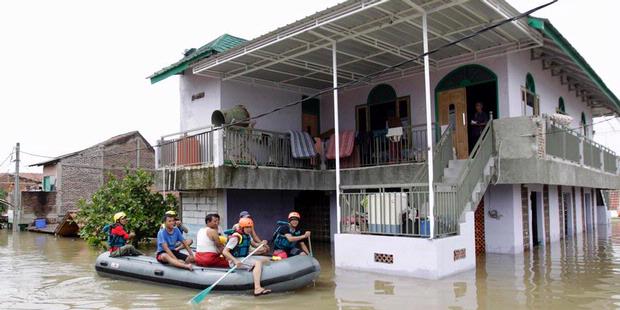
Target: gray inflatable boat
x=279, y=276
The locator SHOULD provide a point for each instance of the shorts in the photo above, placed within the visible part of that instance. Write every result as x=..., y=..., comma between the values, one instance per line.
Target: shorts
x=177, y=254
x=294, y=252
x=210, y=259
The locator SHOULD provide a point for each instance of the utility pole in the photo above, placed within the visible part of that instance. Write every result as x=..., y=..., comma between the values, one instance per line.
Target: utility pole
x=16, y=193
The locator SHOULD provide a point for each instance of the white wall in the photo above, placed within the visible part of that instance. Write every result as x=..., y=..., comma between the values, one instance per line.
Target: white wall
x=260, y=99
x=548, y=88
x=197, y=113
x=416, y=257
x=412, y=86
x=503, y=235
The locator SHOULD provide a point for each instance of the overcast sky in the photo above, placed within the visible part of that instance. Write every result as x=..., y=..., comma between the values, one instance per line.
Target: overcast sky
x=74, y=71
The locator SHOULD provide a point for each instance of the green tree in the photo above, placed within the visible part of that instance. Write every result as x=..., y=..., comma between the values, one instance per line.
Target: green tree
x=132, y=195
x=3, y=195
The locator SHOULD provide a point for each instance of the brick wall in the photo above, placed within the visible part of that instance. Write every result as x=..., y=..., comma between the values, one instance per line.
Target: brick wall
x=546, y=213
x=614, y=200
x=196, y=205
x=80, y=177
x=125, y=154
x=525, y=212
x=37, y=205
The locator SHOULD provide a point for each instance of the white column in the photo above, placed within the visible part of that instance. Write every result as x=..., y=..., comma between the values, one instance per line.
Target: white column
x=336, y=134
x=429, y=131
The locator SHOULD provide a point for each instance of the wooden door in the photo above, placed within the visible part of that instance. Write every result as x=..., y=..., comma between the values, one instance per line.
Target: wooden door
x=453, y=108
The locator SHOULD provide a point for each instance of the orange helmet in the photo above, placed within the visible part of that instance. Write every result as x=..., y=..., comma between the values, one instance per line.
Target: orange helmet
x=246, y=222
x=293, y=215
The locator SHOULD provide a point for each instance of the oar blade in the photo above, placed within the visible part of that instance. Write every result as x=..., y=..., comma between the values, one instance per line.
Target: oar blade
x=201, y=296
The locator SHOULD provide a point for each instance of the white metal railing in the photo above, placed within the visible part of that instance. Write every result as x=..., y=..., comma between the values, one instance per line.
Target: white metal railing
x=186, y=149
x=568, y=144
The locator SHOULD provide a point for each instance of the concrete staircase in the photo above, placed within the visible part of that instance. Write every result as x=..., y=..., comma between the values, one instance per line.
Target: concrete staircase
x=452, y=173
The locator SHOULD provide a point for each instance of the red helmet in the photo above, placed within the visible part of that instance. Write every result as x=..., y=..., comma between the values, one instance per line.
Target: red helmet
x=245, y=222
x=294, y=215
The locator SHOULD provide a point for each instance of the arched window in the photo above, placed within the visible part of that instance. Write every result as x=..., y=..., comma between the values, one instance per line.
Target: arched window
x=584, y=124
x=383, y=109
x=529, y=98
x=561, y=106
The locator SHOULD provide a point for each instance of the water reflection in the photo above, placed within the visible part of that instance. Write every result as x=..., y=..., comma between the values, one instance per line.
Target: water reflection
x=43, y=272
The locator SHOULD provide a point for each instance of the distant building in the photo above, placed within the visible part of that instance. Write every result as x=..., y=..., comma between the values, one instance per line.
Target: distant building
x=79, y=174
x=27, y=181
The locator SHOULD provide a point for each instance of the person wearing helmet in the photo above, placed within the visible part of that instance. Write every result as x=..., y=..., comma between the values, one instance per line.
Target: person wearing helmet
x=117, y=237
x=208, y=244
x=288, y=239
x=182, y=228
x=167, y=237
x=255, y=237
x=238, y=246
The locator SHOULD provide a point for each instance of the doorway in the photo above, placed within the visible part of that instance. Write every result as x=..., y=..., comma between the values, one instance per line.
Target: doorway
x=314, y=207
x=567, y=201
x=456, y=96
x=310, y=116
x=536, y=218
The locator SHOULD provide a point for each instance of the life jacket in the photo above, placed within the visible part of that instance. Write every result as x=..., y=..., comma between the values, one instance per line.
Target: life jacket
x=279, y=239
x=114, y=241
x=243, y=246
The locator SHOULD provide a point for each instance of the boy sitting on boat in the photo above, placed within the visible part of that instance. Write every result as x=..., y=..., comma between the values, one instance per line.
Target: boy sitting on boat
x=167, y=237
x=238, y=246
x=288, y=240
x=117, y=237
x=209, y=244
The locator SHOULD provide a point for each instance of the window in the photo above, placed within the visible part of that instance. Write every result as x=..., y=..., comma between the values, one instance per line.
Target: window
x=561, y=107
x=529, y=98
x=584, y=124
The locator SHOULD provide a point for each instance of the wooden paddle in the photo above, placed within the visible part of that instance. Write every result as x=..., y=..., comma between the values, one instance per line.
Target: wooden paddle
x=201, y=296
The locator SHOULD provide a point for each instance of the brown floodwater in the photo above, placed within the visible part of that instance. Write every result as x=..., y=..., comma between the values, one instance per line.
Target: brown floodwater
x=43, y=272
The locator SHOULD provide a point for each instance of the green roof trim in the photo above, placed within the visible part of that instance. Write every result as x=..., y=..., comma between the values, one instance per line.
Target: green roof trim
x=550, y=31
x=219, y=45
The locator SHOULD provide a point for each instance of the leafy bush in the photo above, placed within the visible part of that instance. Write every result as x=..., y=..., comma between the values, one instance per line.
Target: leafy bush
x=3, y=195
x=132, y=195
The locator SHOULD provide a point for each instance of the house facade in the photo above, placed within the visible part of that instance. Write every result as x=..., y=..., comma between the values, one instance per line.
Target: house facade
x=529, y=176
x=79, y=175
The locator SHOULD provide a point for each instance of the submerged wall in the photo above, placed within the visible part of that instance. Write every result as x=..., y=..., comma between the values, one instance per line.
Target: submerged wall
x=416, y=257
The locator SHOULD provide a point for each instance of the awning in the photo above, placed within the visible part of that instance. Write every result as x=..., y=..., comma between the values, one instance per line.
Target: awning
x=371, y=35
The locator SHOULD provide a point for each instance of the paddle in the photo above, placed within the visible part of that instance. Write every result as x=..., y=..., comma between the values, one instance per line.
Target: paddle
x=201, y=296
x=310, y=245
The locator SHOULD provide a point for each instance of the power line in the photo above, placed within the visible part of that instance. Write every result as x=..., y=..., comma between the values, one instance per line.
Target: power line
x=35, y=155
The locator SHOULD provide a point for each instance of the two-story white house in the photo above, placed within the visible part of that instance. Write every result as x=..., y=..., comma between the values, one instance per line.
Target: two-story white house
x=511, y=109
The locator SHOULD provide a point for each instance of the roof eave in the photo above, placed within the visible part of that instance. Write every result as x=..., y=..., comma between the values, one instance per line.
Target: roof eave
x=545, y=26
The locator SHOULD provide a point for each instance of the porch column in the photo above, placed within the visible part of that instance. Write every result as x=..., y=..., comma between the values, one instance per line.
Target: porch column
x=336, y=134
x=429, y=127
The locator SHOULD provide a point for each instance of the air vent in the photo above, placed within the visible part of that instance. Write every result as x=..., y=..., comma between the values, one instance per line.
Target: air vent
x=384, y=258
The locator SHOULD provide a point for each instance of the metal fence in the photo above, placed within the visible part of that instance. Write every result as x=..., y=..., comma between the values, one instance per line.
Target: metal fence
x=568, y=144
x=186, y=150
x=255, y=147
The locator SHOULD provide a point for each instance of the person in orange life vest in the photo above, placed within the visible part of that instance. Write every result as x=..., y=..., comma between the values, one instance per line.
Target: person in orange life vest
x=118, y=237
x=208, y=244
x=265, y=248
x=238, y=246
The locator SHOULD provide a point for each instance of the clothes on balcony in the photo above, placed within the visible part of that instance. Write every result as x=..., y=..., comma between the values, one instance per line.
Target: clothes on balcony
x=302, y=145
x=347, y=141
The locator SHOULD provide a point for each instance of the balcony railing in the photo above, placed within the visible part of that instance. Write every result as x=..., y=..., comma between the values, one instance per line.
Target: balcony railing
x=254, y=147
x=187, y=149
x=568, y=144
x=379, y=148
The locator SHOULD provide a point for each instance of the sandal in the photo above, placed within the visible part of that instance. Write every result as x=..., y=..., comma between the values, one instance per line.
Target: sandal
x=263, y=292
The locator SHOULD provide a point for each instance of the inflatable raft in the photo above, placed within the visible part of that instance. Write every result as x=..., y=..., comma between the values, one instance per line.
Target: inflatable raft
x=279, y=276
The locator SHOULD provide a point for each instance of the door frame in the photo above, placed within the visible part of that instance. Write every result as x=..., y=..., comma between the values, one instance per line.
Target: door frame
x=464, y=83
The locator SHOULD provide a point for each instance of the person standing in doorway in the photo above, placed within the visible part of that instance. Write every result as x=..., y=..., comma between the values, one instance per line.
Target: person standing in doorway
x=478, y=122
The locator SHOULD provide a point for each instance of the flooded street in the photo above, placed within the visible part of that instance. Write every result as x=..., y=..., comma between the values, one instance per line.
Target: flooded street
x=42, y=272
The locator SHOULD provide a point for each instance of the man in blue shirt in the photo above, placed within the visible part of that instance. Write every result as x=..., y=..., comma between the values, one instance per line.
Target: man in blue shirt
x=167, y=237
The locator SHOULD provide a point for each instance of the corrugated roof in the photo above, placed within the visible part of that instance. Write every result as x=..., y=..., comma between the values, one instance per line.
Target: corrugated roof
x=219, y=45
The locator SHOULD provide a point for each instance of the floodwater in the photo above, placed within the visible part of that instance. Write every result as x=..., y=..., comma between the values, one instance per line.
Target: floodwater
x=42, y=272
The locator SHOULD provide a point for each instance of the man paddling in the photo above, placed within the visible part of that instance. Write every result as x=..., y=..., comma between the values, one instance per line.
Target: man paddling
x=167, y=237
x=265, y=248
x=238, y=246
